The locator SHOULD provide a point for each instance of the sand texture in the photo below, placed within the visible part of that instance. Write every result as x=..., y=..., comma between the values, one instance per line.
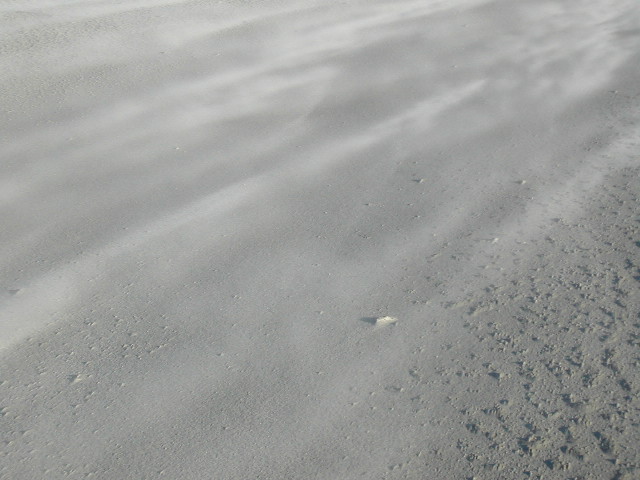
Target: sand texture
x=320, y=240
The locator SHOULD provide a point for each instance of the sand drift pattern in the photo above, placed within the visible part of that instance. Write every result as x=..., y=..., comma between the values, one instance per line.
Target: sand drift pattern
x=204, y=204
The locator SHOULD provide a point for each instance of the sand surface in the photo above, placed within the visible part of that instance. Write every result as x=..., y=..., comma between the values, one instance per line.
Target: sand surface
x=320, y=240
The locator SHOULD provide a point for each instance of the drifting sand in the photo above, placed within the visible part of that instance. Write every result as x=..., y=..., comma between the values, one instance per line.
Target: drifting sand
x=210, y=211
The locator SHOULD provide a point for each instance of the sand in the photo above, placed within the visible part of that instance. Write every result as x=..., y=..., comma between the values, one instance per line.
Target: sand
x=328, y=240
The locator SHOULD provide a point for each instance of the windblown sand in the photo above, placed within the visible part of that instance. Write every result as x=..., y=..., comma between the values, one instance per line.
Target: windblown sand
x=327, y=240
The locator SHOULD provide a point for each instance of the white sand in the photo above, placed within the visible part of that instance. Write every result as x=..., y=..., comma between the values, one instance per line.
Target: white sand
x=207, y=207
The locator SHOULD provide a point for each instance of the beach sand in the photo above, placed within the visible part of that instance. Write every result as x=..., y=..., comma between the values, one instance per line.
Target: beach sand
x=329, y=240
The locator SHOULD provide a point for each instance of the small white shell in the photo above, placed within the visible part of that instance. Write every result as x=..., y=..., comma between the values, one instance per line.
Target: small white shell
x=384, y=321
